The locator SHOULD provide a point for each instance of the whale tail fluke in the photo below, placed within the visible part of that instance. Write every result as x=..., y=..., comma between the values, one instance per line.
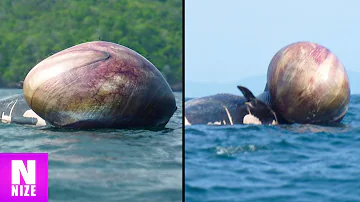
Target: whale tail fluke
x=247, y=93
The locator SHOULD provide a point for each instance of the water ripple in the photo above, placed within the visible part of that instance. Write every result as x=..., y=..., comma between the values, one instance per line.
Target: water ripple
x=298, y=162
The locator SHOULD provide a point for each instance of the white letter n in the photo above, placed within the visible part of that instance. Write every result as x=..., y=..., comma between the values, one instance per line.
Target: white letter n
x=17, y=167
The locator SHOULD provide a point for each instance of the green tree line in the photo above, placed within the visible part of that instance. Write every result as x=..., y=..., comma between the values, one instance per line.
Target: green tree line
x=32, y=30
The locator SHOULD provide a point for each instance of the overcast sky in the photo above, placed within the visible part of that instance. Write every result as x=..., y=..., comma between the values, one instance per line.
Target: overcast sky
x=229, y=40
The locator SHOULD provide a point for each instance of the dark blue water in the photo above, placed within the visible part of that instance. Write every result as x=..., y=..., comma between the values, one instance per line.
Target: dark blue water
x=274, y=163
x=105, y=165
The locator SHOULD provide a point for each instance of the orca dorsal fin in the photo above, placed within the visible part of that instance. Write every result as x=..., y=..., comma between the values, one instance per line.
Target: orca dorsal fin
x=247, y=93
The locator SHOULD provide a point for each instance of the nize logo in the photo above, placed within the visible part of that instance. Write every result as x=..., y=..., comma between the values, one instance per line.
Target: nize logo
x=24, y=177
x=29, y=175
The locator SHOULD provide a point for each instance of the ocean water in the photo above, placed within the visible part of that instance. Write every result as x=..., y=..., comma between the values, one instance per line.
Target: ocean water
x=105, y=165
x=274, y=163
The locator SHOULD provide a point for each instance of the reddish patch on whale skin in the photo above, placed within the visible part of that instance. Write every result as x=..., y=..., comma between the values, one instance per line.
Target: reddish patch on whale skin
x=311, y=82
x=319, y=54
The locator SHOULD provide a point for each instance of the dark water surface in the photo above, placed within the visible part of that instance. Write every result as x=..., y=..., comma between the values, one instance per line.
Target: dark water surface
x=105, y=165
x=274, y=163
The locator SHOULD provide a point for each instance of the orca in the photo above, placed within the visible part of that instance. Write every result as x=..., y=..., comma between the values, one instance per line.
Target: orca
x=229, y=109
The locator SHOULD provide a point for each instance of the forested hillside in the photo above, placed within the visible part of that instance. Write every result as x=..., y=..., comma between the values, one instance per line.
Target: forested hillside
x=31, y=30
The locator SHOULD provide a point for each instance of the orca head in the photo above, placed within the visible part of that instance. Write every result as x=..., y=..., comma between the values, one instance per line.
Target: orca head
x=258, y=112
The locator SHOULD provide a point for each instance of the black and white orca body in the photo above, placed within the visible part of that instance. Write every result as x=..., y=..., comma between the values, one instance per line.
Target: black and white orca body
x=228, y=109
x=14, y=109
